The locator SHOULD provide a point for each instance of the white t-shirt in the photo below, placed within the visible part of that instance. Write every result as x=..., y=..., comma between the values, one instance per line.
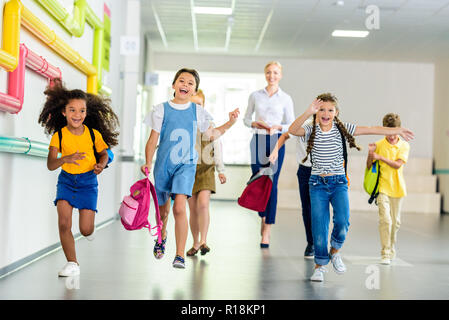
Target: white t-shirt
x=155, y=117
x=301, y=147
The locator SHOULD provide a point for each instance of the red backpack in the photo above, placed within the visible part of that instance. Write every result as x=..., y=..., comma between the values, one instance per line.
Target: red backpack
x=258, y=190
x=135, y=207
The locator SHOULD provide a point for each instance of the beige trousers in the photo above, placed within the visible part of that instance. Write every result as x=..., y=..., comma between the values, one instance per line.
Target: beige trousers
x=389, y=223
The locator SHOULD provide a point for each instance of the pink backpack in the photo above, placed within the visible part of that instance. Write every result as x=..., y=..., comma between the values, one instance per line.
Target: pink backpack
x=135, y=207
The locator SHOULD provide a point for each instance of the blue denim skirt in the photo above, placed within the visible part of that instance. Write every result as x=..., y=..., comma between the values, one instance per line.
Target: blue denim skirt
x=80, y=190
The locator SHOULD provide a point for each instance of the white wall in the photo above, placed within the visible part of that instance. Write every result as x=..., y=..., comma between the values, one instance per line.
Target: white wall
x=441, y=130
x=27, y=214
x=366, y=90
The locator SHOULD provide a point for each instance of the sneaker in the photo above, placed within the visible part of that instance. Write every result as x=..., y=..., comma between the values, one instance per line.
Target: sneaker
x=92, y=235
x=159, y=249
x=318, y=274
x=179, y=262
x=309, y=253
x=385, y=261
x=70, y=269
x=338, y=264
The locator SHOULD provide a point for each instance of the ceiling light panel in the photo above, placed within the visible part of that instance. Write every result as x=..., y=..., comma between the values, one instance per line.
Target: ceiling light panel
x=350, y=33
x=212, y=10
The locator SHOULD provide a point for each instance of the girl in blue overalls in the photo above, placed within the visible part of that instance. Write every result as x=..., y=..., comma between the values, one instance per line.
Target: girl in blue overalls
x=176, y=122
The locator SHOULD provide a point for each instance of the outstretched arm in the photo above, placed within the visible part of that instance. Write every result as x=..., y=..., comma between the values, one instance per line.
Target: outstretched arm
x=150, y=148
x=386, y=131
x=215, y=133
x=296, y=128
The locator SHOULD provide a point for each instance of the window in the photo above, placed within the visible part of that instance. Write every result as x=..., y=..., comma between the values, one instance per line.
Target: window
x=223, y=93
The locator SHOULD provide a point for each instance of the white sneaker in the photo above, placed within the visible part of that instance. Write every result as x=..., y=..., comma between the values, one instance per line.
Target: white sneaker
x=318, y=274
x=385, y=261
x=70, y=269
x=92, y=235
x=338, y=264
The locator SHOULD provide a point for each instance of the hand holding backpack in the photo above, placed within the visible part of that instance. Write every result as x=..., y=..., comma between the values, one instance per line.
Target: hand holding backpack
x=258, y=190
x=135, y=207
x=371, y=181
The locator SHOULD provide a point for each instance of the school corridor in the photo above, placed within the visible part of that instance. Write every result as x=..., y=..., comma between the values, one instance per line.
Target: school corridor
x=247, y=73
x=119, y=264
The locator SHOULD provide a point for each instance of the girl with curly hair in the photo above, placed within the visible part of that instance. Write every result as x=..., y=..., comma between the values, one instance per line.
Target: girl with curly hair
x=328, y=182
x=81, y=126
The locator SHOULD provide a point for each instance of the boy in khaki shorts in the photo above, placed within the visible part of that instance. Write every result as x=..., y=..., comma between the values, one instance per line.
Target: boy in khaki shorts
x=392, y=153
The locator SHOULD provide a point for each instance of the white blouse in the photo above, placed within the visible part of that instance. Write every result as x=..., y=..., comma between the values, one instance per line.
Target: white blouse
x=274, y=110
x=155, y=117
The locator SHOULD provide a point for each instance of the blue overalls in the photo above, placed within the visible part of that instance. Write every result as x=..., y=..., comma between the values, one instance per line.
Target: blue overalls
x=175, y=167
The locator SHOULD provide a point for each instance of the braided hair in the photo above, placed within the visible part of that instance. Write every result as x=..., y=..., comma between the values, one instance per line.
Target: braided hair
x=331, y=98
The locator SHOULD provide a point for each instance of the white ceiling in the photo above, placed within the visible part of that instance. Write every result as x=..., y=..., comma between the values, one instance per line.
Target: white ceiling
x=410, y=30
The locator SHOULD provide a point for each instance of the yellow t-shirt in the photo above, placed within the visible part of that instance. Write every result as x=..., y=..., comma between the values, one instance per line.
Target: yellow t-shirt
x=391, y=180
x=72, y=143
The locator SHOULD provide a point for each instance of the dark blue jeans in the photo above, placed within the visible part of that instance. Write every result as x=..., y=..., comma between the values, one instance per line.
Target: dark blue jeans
x=325, y=190
x=303, y=181
x=261, y=147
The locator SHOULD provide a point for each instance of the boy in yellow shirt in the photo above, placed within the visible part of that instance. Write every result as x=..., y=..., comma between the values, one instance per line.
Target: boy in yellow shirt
x=392, y=153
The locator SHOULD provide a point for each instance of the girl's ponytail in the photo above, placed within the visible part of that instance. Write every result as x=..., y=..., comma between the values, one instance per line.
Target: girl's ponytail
x=347, y=135
x=311, y=139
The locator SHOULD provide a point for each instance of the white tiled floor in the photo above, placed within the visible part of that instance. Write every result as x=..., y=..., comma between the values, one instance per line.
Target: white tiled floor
x=119, y=264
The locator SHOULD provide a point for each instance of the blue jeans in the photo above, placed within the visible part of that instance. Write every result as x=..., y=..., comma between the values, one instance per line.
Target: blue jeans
x=325, y=190
x=261, y=147
x=303, y=175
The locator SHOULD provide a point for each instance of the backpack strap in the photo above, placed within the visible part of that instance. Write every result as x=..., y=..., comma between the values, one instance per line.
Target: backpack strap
x=375, y=193
x=345, y=153
x=92, y=136
x=158, y=214
x=156, y=206
x=60, y=140
x=96, y=154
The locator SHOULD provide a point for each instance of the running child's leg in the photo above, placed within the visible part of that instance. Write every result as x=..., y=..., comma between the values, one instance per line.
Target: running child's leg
x=164, y=210
x=87, y=222
x=65, y=230
x=340, y=205
x=181, y=223
x=319, y=200
x=203, y=214
x=193, y=220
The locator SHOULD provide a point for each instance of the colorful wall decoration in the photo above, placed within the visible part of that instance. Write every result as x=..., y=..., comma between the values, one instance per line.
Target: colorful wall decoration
x=14, y=57
x=13, y=100
x=16, y=14
x=75, y=23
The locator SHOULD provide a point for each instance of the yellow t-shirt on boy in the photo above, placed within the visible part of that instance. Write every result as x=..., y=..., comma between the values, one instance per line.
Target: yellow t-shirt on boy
x=391, y=181
x=72, y=143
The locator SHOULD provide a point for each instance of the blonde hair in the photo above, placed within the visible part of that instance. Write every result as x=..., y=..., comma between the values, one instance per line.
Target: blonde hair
x=276, y=63
x=200, y=93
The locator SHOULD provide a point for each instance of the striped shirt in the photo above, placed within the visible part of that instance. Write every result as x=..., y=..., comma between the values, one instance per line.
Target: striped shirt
x=327, y=151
